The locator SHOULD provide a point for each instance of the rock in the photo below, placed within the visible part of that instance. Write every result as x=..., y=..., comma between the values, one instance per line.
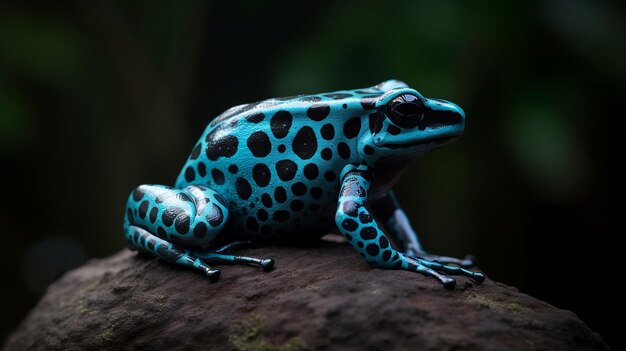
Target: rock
x=317, y=298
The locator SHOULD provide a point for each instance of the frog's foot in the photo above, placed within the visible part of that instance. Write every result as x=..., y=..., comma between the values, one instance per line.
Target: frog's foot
x=437, y=270
x=466, y=262
x=266, y=264
x=143, y=241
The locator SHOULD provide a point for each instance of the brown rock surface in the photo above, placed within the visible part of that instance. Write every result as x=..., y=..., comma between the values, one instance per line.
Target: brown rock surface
x=317, y=298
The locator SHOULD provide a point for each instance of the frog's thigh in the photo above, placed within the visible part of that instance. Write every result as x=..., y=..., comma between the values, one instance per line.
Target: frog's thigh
x=192, y=216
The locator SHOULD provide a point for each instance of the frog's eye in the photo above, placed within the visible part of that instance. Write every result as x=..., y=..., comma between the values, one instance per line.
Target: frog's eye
x=405, y=111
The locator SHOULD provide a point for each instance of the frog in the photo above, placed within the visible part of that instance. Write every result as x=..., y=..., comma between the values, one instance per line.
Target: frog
x=289, y=171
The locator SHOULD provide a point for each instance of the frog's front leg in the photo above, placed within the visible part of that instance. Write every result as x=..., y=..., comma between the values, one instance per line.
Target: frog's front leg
x=389, y=212
x=174, y=224
x=361, y=230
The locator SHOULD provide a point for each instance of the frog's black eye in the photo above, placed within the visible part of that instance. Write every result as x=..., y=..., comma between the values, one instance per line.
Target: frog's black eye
x=405, y=111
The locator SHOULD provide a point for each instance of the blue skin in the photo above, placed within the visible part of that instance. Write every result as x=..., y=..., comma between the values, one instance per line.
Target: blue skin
x=281, y=169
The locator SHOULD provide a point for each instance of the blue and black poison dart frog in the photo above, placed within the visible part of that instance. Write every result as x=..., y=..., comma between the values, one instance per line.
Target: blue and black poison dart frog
x=290, y=170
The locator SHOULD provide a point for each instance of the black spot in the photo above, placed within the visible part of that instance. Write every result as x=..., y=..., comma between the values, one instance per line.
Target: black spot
x=376, y=122
x=316, y=192
x=190, y=174
x=383, y=242
x=216, y=216
x=220, y=145
x=282, y=148
x=161, y=232
x=280, y=194
x=398, y=265
x=252, y=205
x=220, y=199
x=266, y=230
x=352, y=127
x=330, y=176
x=143, y=209
x=349, y=224
x=255, y=118
x=201, y=169
x=243, y=188
x=314, y=207
x=266, y=199
x=372, y=249
x=129, y=214
x=196, y=151
x=137, y=194
x=182, y=224
x=393, y=130
x=338, y=96
x=305, y=143
x=345, y=106
x=280, y=124
x=252, y=224
x=218, y=176
x=280, y=216
x=368, y=150
x=368, y=103
x=327, y=131
x=386, y=255
x=396, y=256
x=365, y=217
x=261, y=215
x=360, y=244
x=153, y=214
x=348, y=237
x=343, y=150
x=297, y=205
x=350, y=208
x=327, y=154
x=170, y=214
x=318, y=112
x=233, y=169
x=259, y=144
x=298, y=188
x=200, y=230
x=368, y=233
x=261, y=174
x=311, y=171
x=184, y=197
x=286, y=169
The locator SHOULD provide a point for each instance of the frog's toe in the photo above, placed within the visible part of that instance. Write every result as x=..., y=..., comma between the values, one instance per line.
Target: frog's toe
x=477, y=277
x=267, y=264
x=213, y=274
x=447, y=281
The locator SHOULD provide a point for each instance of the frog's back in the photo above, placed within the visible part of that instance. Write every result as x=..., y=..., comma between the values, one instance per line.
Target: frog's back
x=278, y=161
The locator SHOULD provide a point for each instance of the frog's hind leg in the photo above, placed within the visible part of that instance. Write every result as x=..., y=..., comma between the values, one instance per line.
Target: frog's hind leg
x=143, y=241
x=220, y=258
x=174, y=224
x=168, y=222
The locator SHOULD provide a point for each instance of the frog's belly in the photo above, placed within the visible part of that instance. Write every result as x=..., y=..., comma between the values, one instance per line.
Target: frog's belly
x=289, y=210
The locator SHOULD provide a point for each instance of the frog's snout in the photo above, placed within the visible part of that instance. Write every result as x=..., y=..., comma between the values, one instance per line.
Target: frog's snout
x=441, y=113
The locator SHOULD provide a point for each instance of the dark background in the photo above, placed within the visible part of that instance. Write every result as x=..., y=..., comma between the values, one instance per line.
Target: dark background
x=98, y=97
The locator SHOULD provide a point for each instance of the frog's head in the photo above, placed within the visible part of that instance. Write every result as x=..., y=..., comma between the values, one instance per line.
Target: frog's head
x=405, y=123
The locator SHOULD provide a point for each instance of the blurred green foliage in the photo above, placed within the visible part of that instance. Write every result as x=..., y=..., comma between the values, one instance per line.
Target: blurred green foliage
x=97, y=97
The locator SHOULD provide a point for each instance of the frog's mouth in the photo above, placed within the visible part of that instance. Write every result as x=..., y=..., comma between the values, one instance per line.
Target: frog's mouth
x=434, y=142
